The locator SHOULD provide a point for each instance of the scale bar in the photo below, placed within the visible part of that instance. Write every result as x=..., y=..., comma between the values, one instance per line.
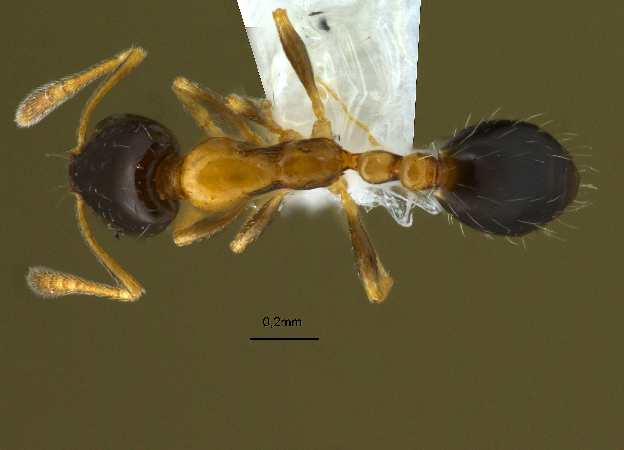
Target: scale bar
x=283, y=338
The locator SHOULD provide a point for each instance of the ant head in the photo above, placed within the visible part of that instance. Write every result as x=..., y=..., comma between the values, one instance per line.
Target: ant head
x=510, y=177
x=115, y=174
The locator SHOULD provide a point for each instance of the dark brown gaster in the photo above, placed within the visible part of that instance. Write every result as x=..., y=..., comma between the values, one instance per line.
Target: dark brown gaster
x=512, y=177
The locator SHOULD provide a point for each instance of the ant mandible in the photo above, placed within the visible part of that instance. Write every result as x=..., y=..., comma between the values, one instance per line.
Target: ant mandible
x=500, y=177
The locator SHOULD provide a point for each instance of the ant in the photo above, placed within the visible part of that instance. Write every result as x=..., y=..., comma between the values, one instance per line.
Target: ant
x=501, y=177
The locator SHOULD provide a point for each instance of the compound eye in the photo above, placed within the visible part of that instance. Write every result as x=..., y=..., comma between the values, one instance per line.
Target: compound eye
x=115, y=174
x=511, y=177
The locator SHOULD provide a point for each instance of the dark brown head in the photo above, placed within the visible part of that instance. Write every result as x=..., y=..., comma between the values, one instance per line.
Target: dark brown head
x=511, y=177
x=116, y=170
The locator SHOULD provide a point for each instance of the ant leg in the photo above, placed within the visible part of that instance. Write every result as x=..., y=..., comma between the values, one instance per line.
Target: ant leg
x=208, y=108
x=45, y=99
x=300, y=61
x=185, y=234
x=51, y=283
x=376, y=281
x=257, y=222
x=259, y=111
x=352, y=118
x=187, y=94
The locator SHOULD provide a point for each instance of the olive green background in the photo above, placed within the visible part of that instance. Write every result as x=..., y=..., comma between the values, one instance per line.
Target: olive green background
x=481, y=345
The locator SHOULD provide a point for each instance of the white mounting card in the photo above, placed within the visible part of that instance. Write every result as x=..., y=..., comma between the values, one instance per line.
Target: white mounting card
x=367, y=52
